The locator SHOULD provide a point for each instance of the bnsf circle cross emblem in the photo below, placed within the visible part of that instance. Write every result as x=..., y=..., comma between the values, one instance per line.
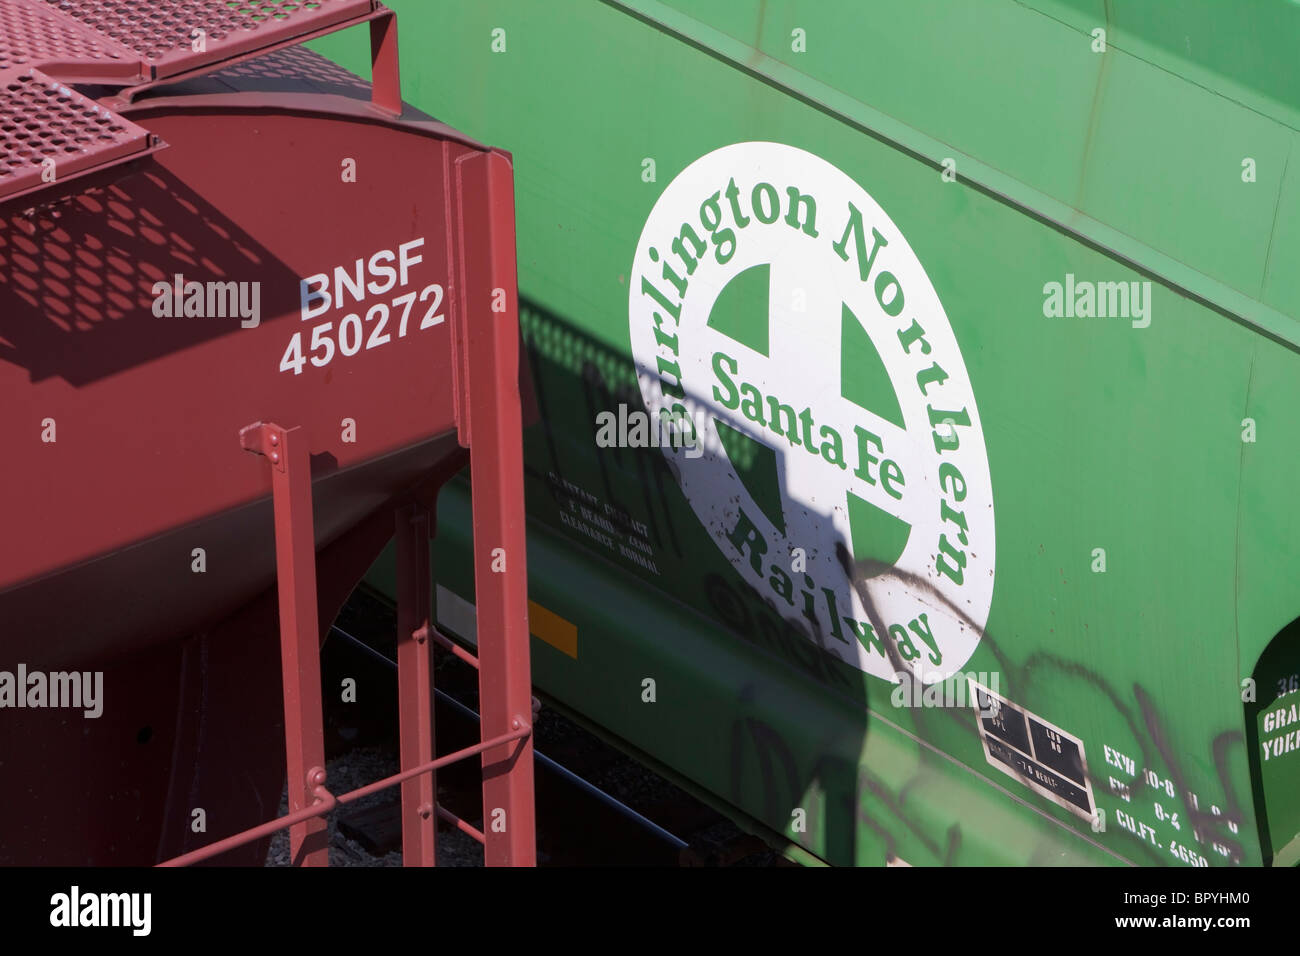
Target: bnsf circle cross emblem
x=835, y=452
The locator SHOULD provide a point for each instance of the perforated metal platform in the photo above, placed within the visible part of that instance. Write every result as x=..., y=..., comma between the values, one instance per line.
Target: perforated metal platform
x=32, y=32
x=50, y=134
x=120, y=42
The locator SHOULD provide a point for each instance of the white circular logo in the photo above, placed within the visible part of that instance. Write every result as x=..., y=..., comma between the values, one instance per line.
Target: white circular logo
x=831, y=444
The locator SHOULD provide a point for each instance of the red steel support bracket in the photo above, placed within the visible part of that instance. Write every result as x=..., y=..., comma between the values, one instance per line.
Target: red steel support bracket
x=385, y=70
x=415, y=686
x=490, y=424
x=295, y=561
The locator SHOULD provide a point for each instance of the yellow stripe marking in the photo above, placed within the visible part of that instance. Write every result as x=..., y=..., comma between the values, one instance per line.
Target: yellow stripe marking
x=548, y=626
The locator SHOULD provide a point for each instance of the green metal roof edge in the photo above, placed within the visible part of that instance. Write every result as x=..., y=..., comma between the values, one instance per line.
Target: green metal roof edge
x=1239, y=87
x=1053, y=212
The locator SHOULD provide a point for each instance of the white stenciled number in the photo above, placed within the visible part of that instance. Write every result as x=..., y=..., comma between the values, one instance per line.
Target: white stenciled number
x=293, y=357
x=406, y=301
x=377, y=335
x=320, y=338
x=429, y=318
x=352, y=330
x=352, y=322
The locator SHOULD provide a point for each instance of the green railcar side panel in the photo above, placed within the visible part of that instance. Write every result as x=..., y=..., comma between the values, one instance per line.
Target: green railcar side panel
x=1140, y=467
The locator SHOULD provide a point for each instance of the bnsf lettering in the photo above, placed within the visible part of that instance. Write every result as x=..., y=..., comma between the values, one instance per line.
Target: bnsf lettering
x=368, y=324
x=350, y=283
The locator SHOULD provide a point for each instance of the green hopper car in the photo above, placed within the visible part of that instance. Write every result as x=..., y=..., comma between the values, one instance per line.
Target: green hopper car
x=916, y=465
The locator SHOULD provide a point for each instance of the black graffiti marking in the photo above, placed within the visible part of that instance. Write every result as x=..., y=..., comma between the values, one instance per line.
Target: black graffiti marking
x=773, y=631
x=782, y=794
x=768, y=744
x=1018, y=679
x=1147, y=733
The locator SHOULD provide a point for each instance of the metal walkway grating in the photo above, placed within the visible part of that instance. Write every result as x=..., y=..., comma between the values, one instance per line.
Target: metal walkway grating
x=33, y=33
x=136, y=41
x=50, y=133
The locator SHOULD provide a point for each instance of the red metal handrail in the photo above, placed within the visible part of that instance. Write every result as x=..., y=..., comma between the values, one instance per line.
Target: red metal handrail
x=442, y=640
x=326, y=801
